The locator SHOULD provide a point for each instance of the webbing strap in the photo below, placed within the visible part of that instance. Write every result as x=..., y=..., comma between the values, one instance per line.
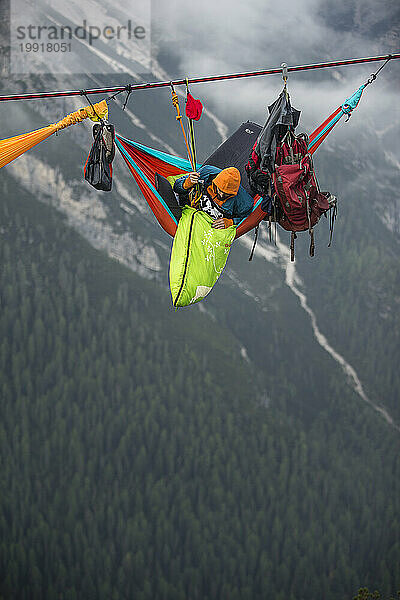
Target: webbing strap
x=312, y=243
x=255, y=242
x=332, y=218
x=293, y=236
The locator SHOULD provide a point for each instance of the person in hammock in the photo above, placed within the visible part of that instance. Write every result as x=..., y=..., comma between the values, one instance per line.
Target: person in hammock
x=221, y=195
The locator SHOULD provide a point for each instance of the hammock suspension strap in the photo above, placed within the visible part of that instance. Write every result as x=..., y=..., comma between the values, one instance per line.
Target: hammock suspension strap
x=83, y=93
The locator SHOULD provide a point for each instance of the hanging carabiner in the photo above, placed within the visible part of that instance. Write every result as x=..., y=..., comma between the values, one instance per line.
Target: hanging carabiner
x=284, y=73
x=285, y=78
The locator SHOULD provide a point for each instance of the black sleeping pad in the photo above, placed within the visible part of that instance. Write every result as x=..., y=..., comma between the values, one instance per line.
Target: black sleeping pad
x=236, y=151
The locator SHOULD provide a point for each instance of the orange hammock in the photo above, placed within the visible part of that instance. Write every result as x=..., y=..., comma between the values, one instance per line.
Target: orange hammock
x=13, y=147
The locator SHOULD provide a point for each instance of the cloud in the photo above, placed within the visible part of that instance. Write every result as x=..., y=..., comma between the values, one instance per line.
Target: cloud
x=212, y=38
x=220, y=36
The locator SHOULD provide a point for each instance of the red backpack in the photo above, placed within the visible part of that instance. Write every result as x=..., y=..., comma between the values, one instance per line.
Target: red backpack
x=297, y=202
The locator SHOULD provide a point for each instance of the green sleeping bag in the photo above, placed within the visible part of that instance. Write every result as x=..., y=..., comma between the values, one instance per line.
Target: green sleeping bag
x=198, y=256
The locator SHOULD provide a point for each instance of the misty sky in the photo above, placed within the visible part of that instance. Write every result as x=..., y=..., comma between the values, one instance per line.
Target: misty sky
x=208, y=37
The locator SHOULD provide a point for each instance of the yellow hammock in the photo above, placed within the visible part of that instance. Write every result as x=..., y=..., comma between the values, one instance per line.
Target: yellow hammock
x=13, y=147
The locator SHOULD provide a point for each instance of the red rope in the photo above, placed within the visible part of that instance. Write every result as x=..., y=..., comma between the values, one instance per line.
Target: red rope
x=159, y=84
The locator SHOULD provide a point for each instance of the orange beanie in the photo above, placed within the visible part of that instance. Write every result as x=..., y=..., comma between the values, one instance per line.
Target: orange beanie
x=228, y=180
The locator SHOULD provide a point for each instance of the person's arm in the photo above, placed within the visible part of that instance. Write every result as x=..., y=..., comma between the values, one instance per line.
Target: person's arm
x=243, y=205
x=186, y=182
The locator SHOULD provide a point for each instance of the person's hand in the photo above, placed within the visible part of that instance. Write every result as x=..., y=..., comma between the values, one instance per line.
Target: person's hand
x=193, y=177
x=219, y=223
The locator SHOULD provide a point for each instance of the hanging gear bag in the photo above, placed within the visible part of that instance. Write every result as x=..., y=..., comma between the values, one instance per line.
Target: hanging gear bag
x=98, y=168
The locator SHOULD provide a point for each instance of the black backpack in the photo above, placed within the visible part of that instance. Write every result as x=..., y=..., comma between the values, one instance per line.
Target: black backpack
x=98, y=168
